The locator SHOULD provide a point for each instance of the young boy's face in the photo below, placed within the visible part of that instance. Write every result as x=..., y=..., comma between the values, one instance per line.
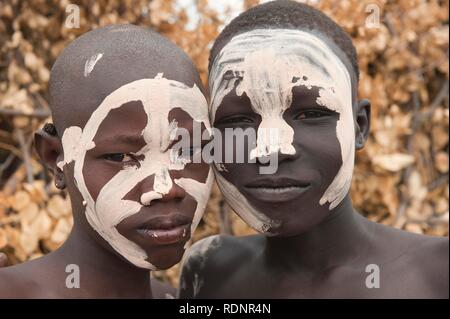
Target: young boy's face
x=143, y=198
x=291, y=81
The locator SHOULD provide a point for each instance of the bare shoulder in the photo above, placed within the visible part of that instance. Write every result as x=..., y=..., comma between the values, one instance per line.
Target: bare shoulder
x=431, y=261
x=218, y=254
x=13, y=282
x=411, y=244
x=7, y=283
x=28, y=279
x=417, y=259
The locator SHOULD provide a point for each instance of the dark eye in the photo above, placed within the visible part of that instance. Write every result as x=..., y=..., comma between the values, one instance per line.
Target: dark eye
x=119, y=157
x=189, y=152
x=237, y=119
x=311, y=115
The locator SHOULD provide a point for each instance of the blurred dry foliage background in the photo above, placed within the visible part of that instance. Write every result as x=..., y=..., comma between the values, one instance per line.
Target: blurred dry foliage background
x=401, y=176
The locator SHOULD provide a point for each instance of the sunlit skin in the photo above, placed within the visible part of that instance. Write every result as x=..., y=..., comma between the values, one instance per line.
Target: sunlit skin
x=316, y=253
x=103, y=272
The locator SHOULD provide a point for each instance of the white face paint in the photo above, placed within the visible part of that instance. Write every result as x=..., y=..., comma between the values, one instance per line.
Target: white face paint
x=197, y=254
x=266, y=64
x=90, y=63
x=158, y=96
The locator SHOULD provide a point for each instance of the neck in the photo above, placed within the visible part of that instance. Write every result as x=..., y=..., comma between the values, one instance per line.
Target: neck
x=339, y=239
x=103, y=274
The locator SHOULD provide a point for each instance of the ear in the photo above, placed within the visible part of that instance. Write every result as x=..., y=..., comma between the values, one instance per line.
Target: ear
x=362, y=124
x=49, y=150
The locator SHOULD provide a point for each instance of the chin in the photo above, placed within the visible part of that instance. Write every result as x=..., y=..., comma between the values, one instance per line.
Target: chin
x=166, y=259
x=297, y=224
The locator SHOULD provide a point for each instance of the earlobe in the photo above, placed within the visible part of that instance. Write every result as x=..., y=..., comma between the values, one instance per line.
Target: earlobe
x=49, y=150
x=362, y=127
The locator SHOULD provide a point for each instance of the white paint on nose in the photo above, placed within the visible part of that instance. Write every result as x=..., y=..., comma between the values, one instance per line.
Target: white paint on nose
x=161, y=186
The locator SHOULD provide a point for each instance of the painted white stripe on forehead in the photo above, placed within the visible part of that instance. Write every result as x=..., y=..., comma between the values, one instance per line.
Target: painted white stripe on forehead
x=310, y=52
x=266, y=64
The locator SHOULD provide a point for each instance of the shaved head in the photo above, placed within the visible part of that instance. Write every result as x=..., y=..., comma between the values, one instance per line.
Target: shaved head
x=120, y=96
x=102, y=60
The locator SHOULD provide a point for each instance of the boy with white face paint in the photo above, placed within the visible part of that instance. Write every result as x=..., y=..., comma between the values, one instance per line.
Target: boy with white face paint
x=120, y=95
x=287, y=66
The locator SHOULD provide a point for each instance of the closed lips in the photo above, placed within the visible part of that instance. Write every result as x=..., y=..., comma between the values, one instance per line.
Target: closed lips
x=166, y=222
x=276, y=183
x=166, y=230
x=276, y=190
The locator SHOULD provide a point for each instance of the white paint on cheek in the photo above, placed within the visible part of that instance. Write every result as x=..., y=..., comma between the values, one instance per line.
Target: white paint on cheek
x=90, y=63
x=158, y=97
x=240, y=205
x=200, y=192
x=220, y=167
x=345, y=132
x=72, y=139
x=266, y=64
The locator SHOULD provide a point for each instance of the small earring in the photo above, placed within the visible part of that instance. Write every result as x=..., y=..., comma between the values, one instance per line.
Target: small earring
x=50, y=129
x=84, y=203
x=59, y=183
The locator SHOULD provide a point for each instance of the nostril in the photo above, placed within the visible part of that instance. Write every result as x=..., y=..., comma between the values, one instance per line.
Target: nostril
x=159, y=187
x=148, y=197
x=175, y=193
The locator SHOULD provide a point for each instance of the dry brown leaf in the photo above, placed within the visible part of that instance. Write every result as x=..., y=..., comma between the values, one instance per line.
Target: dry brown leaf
x=61, y=231
x=3, y=238
x=58, y=207
x=393, y=162
x=441, y=162
x=20, y=200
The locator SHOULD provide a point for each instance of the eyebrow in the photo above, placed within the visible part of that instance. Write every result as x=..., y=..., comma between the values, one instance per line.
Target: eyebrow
x=123, y=139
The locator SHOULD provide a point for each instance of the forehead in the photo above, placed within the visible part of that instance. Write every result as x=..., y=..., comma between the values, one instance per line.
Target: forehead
x=154, y=102
x=309, y=46
x=126, y=123
x=268, y=63
x=76, y=94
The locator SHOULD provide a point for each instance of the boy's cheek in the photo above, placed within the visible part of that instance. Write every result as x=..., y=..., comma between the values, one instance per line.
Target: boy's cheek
x=75, y=196
x=104, y=172
x=97, y=174
x=197, y=171
x=232, y=150
x=316, y=137
x=319, y=155
x=321, y=152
